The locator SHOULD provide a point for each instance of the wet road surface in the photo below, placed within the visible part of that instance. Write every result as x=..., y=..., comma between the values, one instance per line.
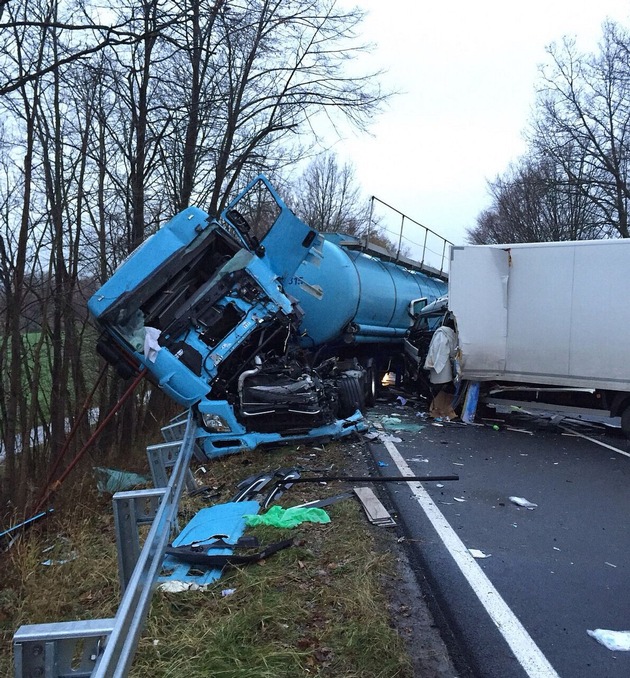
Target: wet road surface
x=551, y=572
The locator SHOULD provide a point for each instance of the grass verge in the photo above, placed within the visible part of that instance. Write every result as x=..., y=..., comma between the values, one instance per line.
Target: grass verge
x=315, y=609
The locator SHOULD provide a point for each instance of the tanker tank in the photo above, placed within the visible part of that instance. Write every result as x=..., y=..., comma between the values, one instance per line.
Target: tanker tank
x=349, y=295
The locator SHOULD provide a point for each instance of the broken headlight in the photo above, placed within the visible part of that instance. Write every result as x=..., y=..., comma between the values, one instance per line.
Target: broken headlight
x=215, y=423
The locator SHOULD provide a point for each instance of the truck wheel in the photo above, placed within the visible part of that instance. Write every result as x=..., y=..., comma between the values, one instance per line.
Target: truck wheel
x=371, y=386
x=351, y=396
x=625, y=422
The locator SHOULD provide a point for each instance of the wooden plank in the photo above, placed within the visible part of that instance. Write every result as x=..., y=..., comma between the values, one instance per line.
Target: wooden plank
x=377, y=514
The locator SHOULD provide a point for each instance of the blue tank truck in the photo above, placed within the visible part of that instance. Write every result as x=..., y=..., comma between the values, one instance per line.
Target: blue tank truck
x=271, y=331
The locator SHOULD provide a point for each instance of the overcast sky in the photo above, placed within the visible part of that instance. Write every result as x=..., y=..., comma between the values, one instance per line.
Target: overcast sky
x=467, y=72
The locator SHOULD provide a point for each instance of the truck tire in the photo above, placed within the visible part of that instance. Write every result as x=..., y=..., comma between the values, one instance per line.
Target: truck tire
x=371, y=386
x=625, y=422
x=351, y=396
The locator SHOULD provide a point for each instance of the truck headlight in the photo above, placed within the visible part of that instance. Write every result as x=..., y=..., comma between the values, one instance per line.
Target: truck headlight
x=215, y=423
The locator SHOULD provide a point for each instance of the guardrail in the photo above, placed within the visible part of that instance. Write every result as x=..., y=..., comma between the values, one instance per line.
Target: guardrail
x=104, y=648
x=431, y=255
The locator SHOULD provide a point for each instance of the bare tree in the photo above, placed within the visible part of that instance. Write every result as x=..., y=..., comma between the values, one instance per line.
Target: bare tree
x=536, y=201
x=584, y=105
x=328, y=198
x=283, y=62
x=112, y=126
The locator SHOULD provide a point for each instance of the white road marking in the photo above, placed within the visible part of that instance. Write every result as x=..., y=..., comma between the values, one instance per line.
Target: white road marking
x=521, y=643
x=594, y=440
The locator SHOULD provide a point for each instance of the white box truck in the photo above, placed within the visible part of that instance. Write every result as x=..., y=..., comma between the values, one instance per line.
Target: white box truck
x=548, y=323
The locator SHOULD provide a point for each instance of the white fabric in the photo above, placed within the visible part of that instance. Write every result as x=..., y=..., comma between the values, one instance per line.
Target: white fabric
x=441, y=351
x=151, y=346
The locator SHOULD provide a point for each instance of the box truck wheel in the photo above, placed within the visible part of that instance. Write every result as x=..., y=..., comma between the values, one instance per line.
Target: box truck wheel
x=625, y=421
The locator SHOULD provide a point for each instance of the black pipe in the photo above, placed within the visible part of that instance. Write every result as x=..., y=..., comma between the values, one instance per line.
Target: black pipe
x=367, y=479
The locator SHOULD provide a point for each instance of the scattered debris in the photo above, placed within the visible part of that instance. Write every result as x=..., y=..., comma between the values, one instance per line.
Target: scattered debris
x=520, y=501
x=387, y=438
x=609, y=564
x=217, y=529
x=179, y=587
x=277, y=516
x=228, y=592
x=63, y=550
x=377, y=514
x=198, y=555
x=476, y=553
x=617, y=641
x=63, y=561
x=460, y=499
x=280, y=481
x=112, y=480
x=319, y=503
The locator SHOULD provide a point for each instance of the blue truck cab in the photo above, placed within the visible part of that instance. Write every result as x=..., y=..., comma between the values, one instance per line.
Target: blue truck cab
x=200, y=304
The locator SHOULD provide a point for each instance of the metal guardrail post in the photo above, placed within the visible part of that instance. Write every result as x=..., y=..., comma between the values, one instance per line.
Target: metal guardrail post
x=49, y=650
x=162, y=457
x=132, y=509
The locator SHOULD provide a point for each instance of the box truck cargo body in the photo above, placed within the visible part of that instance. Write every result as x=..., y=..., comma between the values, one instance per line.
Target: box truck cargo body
x=547, y=314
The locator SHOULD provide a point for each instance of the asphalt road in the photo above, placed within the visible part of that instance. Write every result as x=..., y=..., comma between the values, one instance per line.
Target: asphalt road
x=552, y=572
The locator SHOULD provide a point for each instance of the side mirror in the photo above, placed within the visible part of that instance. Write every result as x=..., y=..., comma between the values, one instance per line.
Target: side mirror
x=415, y=306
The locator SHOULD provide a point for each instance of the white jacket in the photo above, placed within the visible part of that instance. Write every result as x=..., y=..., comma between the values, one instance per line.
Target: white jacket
x=441, y=350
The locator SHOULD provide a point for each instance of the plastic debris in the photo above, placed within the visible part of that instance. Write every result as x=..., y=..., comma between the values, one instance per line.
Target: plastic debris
x=112, y=480
x=63, y=561
x=228, y=592
x=401, y=400
x=62, y=550
x=476, y=553
x=382, y=464
x=385, y=438
x=276, y=516
x=617, y=641
x=460, y=499
x=520, y=501
x=411, y=427
x=175, y=586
